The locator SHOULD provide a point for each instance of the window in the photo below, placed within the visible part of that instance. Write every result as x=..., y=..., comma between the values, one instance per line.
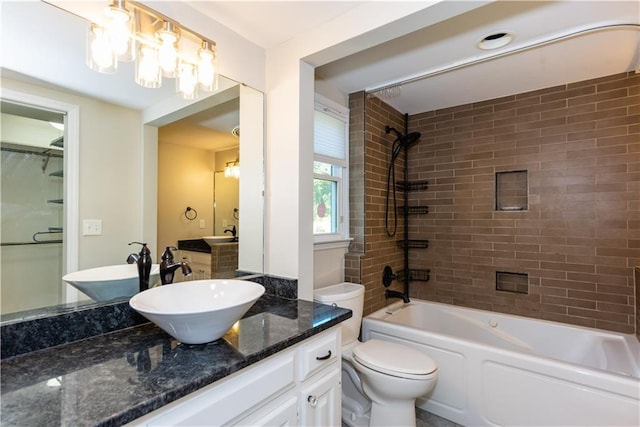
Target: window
x=330, y=171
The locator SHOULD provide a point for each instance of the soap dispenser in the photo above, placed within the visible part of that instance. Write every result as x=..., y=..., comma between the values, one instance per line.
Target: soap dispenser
x=144, y=265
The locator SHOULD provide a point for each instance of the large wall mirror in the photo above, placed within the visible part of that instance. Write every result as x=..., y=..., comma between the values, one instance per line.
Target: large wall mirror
x=132, y=162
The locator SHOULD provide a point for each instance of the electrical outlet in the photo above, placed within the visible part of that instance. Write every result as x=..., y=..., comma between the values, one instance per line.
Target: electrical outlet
x=202, y=223
x=225, y=223
x=91, y=227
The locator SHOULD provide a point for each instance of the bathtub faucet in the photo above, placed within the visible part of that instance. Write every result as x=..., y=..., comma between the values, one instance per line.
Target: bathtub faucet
x=395, y=294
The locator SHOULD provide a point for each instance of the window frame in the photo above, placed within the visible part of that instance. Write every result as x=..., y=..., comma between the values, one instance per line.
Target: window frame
x=341, y=113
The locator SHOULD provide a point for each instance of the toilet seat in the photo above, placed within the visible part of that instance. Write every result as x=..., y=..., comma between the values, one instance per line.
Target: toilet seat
x=394, y=359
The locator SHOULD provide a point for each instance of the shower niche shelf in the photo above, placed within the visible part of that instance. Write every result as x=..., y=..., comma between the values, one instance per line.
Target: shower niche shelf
x=418, y=275
x=413, y=244
x=412, y=185
x=414, y=210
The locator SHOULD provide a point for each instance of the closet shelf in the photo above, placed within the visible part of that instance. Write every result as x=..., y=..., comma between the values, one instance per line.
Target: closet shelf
x=58, y=142
x=412, y=185
x=414, y=210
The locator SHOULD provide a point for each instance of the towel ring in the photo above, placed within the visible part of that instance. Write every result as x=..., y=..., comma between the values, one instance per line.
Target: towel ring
x=190, y=213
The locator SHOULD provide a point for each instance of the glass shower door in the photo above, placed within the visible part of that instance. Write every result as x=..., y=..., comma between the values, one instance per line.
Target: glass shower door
x=32, y=211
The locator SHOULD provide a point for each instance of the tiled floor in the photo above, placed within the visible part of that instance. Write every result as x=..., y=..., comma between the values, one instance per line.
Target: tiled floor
x=427, y=419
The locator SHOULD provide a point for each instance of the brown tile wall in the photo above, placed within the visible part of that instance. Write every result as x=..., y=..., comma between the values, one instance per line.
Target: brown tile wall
x=370, y=151
x=224, y=260
x=580, y=237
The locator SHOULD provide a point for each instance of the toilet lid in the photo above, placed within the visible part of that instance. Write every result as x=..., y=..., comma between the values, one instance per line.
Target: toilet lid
x=392, y=358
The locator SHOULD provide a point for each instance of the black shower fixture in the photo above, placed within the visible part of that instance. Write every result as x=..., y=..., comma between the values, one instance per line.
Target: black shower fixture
x=401, y=141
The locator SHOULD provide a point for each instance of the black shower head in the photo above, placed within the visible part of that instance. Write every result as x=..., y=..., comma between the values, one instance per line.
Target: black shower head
x=409, y=139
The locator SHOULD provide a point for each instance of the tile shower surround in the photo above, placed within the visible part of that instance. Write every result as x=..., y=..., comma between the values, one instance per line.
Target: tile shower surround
x=579, y=240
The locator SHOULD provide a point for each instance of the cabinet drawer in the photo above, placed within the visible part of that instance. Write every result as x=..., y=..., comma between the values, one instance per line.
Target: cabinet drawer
x=221, y=403
x=318, y=354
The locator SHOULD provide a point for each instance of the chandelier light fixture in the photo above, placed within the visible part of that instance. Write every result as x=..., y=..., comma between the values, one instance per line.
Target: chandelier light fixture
x=159, y=46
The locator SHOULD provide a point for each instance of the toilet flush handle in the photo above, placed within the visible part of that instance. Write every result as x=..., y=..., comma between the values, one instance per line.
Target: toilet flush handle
x=313, y=401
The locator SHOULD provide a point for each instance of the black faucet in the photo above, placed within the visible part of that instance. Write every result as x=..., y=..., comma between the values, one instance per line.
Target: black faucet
x=395, y=294
x=233, y=232
x=143, y=260
x=168, y=267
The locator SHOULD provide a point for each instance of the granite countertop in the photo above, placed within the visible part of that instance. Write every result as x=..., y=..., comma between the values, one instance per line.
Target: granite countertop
x=112, y=379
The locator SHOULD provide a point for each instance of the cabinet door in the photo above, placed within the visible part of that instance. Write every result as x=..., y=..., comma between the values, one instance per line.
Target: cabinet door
x=320, y=400
x=280, y=414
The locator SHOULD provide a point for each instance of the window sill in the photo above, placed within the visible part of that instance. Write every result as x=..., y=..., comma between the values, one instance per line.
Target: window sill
x=335, y=243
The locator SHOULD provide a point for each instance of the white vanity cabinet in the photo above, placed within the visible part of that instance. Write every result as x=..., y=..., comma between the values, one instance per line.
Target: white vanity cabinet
x=297, y=386
x=200, y=263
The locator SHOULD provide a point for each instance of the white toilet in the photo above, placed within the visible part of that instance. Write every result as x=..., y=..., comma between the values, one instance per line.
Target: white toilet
x=380, y=379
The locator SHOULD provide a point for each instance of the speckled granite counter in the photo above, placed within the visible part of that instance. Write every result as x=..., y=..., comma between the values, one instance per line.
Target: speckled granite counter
x=112, y=379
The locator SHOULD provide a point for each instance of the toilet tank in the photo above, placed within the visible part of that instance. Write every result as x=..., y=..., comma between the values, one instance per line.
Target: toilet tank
x=345, y=295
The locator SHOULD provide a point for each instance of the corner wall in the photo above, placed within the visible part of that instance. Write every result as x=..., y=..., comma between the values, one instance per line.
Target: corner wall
x=369, y=155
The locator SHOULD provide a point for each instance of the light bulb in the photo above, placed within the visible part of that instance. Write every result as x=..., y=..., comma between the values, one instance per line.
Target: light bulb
x=186, y=81
x=207, y=67
x=148, y=67
x=119, y=31
x=168, y=37
x=100, y=57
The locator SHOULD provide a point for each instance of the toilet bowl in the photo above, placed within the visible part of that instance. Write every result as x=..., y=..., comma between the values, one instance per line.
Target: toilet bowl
x=380, y=380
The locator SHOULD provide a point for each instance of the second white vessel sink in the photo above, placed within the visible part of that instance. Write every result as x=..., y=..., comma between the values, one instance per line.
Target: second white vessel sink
x=111, y=282
x=212, y=240
x=198, y=311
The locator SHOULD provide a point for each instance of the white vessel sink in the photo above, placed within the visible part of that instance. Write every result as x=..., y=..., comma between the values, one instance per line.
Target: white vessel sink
x=197, y=311
x=212, y=240
x=110, y=282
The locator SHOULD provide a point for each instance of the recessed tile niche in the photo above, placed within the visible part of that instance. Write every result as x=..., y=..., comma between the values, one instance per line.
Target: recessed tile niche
x=512, y=282
x=512, y=191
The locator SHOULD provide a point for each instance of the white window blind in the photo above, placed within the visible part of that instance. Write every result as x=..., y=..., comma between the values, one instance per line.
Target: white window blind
x=330, y=137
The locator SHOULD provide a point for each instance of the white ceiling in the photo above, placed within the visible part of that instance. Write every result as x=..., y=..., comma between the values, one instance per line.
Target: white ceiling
x=584, y=54
x=453, y=43
x=270, y=23
x=434, y=48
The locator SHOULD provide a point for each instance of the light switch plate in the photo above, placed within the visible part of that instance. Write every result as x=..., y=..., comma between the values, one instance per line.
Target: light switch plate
x=91, y=227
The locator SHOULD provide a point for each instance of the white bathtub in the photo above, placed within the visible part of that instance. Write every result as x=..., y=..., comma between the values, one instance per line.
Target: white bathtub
x=496, y=369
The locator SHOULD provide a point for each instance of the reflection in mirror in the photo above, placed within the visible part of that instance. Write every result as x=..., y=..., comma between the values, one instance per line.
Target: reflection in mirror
x=32, y=148
x=113, y=152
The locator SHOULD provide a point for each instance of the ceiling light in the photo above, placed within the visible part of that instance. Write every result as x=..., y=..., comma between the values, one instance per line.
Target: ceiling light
x=131, y=31
x=232, y=169
x=495, y=41
x=208, y=66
